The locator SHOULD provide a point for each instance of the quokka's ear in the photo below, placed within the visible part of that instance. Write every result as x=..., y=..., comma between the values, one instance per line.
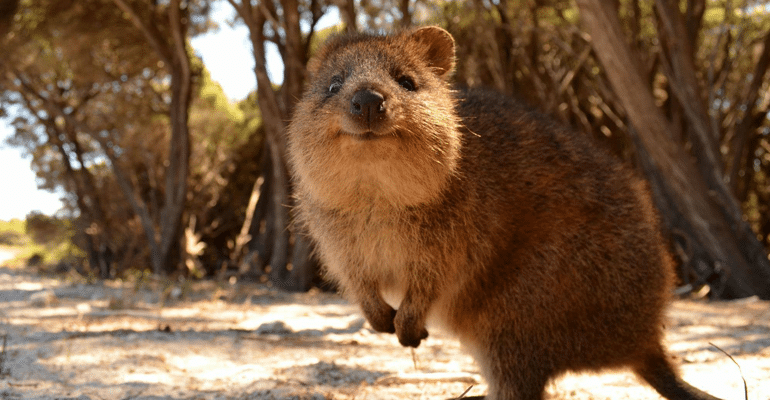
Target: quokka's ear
x=439, y=48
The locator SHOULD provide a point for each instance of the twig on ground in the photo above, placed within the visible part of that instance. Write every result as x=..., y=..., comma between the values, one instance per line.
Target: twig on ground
x=745, y=386
x=464, y=393
x=431, y=377
x=3, y=370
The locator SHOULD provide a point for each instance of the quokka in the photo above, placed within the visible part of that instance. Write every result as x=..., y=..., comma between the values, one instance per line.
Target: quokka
x=464, y=210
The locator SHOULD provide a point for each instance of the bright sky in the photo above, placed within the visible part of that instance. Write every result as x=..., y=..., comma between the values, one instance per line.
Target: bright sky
x=18, y=190
x=227, y=55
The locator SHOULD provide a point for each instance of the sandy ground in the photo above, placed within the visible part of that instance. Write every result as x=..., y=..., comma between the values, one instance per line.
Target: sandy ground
x=119, y=341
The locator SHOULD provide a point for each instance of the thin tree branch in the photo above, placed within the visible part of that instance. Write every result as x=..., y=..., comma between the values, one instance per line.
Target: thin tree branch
x=150, y=31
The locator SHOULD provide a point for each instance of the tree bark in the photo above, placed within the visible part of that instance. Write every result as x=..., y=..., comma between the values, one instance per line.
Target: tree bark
x=165, y=241
x=687, y=198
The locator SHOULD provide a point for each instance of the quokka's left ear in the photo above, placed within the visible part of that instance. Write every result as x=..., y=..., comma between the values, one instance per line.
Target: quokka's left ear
x=439, y=48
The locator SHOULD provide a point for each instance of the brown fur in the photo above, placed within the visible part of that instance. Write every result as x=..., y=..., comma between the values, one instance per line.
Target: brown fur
x=464, y=210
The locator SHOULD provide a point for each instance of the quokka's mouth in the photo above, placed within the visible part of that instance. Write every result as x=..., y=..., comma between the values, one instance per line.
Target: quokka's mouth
x=362, y=136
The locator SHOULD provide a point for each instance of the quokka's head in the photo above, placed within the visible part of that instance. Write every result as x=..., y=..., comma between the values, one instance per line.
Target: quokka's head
x=377, y=120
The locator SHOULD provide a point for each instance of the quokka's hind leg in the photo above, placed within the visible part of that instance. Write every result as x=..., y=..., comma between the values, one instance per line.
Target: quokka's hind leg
x=521, y=385
x=657, y=370
x=515, y=372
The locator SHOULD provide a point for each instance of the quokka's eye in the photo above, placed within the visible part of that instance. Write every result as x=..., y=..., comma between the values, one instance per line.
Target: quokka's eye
x=335, y=85
x=407, y=83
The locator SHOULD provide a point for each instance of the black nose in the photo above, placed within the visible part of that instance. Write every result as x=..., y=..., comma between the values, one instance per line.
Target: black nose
x=368, y=106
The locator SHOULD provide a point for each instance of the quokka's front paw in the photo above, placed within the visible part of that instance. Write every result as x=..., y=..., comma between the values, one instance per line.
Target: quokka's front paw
x=380, y=317
x=410, y=330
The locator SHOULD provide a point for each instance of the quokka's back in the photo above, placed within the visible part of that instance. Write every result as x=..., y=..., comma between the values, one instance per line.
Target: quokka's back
x=466, y=211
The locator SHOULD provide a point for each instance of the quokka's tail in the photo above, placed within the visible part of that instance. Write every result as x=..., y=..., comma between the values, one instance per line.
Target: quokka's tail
x=658, y=371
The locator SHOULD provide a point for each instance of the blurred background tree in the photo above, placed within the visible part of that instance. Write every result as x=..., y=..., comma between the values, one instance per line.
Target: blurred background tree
x=94, y=108
x=161, y=170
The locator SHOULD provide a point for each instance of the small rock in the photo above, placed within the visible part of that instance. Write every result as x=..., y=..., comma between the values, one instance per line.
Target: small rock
x=35, y=260
x=45, y=298
x=274, y=328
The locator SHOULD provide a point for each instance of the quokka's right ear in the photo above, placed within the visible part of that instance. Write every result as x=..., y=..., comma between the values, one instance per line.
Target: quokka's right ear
x=439, y=48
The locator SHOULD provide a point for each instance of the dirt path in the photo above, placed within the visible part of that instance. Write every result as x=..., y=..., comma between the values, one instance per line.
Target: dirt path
x=114, y=341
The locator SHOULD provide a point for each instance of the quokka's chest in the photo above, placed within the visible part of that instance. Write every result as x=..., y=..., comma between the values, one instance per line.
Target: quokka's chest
x=379, y=239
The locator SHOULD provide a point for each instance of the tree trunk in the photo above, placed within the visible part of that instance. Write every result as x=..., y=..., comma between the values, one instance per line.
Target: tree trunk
x=690, y=202
x=743, y=133
x=86, y=194
x=273, y=117
x=275, y=106
x=165, y=241
x=347, y=9
x=179, y=149
x=7, y=11
x=259, y=248
x=304, y=266
x=406, y=15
